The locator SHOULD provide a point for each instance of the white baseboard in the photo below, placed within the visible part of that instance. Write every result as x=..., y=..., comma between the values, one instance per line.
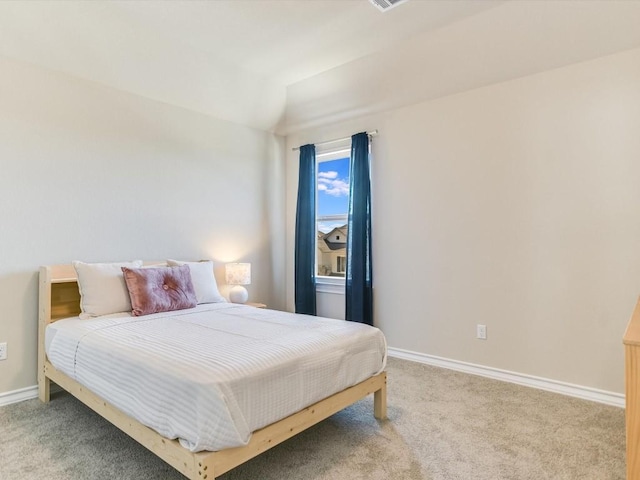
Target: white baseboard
x=28, y=393
x=578, y=391
x=18, y=395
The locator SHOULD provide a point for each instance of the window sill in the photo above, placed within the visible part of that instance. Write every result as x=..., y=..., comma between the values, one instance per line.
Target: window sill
x=331, y=285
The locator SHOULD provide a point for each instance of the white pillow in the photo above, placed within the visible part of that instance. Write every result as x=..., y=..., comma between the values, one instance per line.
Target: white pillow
x=102, y=288
x=203, y=279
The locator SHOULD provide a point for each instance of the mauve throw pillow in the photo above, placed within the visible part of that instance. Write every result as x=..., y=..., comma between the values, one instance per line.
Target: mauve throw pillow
x=159, y=289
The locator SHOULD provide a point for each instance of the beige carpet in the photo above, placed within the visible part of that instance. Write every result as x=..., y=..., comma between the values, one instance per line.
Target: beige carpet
x=442, y=425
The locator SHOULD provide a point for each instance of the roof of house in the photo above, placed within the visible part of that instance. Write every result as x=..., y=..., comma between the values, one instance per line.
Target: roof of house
x=344, y=230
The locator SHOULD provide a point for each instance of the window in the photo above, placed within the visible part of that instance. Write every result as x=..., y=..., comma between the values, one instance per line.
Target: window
x=332, y=204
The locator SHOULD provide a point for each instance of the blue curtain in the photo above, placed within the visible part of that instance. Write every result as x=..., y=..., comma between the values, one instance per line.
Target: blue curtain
x=305, y=248
x=359, y=282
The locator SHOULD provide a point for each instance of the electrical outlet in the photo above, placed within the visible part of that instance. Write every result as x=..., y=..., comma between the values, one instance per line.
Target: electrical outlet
x=3, y=351
x=481, y=332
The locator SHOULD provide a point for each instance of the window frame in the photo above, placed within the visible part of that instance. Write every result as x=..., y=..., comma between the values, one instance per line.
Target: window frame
x=326, y=284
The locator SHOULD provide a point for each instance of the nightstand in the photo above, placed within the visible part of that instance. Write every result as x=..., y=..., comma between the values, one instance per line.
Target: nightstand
x=256, y=305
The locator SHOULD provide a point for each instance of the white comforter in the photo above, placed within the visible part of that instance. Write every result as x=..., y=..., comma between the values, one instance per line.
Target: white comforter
x=210, y=376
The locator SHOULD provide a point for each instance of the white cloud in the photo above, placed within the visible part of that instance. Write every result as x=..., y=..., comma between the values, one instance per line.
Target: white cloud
x=327, y=227
x=328, y=175
x=336, y=187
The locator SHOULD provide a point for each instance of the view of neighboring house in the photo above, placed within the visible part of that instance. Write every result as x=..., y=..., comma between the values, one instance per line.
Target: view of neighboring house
x=332, y=252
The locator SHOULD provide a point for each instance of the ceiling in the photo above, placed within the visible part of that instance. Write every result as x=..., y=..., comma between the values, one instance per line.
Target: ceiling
x=274, y=64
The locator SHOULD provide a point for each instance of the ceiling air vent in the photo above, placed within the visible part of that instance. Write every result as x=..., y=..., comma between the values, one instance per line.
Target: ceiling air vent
x=384, y=5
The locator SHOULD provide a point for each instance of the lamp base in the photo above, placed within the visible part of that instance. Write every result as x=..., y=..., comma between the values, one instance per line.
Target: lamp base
x=238, y=294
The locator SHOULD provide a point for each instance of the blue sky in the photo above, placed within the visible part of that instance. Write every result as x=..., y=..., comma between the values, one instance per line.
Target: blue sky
x=333, y=190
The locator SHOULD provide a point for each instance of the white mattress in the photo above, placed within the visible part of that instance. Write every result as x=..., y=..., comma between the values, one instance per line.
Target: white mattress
x=211, y=375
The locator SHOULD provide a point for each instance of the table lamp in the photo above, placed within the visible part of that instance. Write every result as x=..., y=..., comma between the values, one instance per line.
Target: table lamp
x=238, y=274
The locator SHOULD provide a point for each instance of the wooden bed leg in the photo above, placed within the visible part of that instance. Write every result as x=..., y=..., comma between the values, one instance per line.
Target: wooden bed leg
x=44, y=389
x=380, y=401
x=44, y=318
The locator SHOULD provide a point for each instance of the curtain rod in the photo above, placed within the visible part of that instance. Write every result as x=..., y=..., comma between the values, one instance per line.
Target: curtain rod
x=372, y=133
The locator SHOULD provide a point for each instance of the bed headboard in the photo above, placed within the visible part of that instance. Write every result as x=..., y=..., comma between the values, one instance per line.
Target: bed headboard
x=59, y=294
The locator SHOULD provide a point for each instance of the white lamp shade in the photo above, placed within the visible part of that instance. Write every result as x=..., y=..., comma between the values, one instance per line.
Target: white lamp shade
x=238, y=273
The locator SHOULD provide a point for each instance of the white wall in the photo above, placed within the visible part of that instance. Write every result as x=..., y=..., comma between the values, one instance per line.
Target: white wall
x=95, y=174
x=515, y=205
x=329, y=304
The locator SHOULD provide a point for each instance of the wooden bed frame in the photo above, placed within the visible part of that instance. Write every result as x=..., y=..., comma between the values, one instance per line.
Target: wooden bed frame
x=60, y=298
x=631, y=342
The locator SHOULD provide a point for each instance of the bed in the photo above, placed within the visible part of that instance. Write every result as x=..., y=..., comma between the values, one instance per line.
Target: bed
x=60, y=302
x=631, y=342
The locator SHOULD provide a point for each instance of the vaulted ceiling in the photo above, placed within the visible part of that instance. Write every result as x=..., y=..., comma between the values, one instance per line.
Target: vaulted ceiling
x=282, y=65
